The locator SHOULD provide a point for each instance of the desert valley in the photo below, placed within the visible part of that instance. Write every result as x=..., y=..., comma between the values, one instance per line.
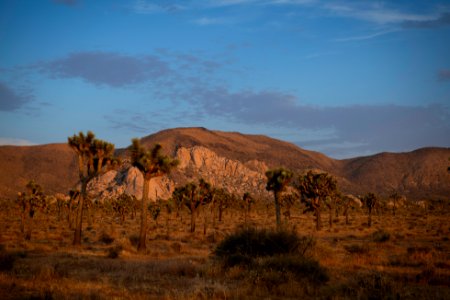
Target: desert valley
x=216, y=227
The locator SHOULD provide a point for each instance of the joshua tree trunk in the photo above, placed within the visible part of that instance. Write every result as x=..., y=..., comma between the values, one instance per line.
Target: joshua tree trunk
x=370, y=217
x=277, y=210
x=143, y=232
x=193, y=215
x=330, y=220
x=79, y=218
x=316, y=206
x=28, y=226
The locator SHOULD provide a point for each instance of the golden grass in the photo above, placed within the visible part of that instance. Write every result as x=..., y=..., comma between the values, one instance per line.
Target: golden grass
x=413, y=262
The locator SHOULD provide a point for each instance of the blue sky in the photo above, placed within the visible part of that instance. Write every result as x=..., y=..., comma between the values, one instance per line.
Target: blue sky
x=347, y=78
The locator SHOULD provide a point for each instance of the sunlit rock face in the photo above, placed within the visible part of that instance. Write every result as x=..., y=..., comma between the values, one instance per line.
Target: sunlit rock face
x=196, y=162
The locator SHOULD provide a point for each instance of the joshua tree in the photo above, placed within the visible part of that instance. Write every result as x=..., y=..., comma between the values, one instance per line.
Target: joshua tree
x=370, y=200
x=315, y=188
x=122, y=205
x=151, y=163
x=287, y=201
x=395, y=197
x=29, y=201
x=94, y=158
x=193, y=196
x=277, y=180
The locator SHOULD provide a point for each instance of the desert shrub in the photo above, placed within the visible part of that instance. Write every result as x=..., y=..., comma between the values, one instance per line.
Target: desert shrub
x=381, y=236
x=249, y=243
x=106, y=238
x=114, y=252
x=271, y=260
x=370, y=285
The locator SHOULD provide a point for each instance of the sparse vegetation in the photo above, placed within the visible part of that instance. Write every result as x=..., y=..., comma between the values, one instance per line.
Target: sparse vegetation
x=407, y=256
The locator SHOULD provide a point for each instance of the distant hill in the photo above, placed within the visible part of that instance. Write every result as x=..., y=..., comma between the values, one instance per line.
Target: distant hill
x=242, y=147
x=53, y=166
x=417, y=174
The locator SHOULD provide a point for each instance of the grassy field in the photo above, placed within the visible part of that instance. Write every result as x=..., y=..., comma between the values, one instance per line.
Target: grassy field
x=406, y=256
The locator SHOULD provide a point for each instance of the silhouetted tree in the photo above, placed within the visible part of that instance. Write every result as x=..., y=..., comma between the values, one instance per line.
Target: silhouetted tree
x=28, y=202
x=123, y=205
x=287, y=201
x=314, y=189
x=395, y=197
x=370, y=200
x=151, y=163
x=94, y=158
x=277, y=180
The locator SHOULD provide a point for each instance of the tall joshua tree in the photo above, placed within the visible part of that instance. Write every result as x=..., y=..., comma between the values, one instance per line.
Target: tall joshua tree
x=94, y=158
x=151, y=163
x=277, y=180
x=315, y=188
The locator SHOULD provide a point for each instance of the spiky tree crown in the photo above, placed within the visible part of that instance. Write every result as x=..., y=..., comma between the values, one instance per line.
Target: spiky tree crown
x=152, y=163
x=314, y=185
x=370, y=199
x=92, y=153
x=278, y=179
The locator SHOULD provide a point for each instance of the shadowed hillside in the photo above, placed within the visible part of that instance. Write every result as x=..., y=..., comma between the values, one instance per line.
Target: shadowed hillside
x=53, y=166
x=417, y=174
x=422, y=173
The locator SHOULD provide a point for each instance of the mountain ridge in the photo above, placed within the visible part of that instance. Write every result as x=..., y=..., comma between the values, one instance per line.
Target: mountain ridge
x=416, y=173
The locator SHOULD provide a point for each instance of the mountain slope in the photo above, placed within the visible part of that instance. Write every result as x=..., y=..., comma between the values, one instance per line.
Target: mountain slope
x=231, y=158
x=422, y=173
x=53, y=166
x=242, y=147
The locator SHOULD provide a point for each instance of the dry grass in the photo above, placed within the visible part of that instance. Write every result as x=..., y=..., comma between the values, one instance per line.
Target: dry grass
x=407, y=256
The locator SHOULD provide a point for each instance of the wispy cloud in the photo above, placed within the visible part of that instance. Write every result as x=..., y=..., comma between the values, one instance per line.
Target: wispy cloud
x=372, y=128
x=366, y=37
x=377, y=13
x=106, y=68
x=205, y=21
x=441, y=21
x=151, y=7
x=11, y=100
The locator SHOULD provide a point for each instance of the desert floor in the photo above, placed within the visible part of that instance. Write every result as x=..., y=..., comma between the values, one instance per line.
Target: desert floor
x=406, y=256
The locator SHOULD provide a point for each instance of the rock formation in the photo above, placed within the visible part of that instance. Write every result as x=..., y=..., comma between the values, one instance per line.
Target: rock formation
x=196, y=162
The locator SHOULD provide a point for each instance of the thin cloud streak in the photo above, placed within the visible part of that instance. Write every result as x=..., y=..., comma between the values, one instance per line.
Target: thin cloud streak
x=442, y=21
x=366, y=37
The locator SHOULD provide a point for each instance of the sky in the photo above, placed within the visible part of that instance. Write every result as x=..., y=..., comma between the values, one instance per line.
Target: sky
x=346, y=78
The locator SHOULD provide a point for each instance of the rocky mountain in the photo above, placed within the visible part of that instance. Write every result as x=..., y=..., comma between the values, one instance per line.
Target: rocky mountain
x=232, y=160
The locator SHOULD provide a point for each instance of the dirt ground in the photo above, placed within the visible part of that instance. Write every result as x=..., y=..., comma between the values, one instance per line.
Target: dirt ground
x=406, y=256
